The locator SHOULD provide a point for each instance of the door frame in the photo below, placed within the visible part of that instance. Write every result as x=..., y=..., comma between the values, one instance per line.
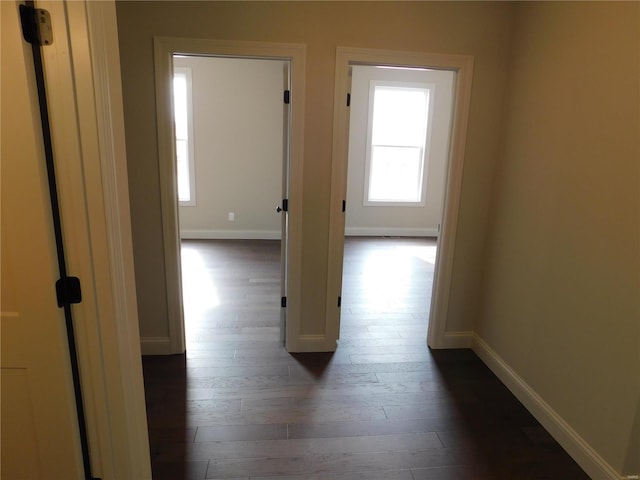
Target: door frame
x=83, y=81
x=164, y=49
x=437, y=335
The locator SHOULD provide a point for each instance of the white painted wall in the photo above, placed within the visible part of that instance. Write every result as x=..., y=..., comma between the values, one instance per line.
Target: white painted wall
x=401, y=220
x=238, y=134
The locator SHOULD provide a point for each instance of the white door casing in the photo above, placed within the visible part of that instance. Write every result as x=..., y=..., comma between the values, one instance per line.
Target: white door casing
x=437, y=336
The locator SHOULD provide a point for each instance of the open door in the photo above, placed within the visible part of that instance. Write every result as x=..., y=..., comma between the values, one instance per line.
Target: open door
x=284, y=208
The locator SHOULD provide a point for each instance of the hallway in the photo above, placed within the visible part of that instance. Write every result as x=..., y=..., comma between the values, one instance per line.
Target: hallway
x=382, y=407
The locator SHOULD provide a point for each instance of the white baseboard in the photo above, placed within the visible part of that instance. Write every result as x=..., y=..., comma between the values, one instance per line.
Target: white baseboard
x=454, y=340
x=192, y=234
x=311, y=343
x=155, y=346
x=590, y=461
x=390, y=232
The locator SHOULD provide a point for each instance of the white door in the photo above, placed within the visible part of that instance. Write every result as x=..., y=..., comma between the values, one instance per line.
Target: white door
x=286, y=153
x=39, y=429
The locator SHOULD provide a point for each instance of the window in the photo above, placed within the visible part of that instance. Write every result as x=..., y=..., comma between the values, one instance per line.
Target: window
x=397, y=139
x=184, y=135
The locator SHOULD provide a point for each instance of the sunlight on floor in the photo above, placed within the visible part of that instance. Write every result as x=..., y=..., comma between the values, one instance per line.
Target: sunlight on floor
x=428, y=254
x=198, y=290
x=387, y=274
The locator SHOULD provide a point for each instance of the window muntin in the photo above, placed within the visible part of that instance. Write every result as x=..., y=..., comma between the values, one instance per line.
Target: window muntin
x=397, y=137
x=182, y=104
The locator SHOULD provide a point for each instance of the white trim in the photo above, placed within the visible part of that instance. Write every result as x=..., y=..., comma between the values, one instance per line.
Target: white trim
x=155, y=345
x=389, y=232
x=588, y=459
x=169, y=195
x=164, y=49
x=312, y=343
x=463, y=66
x=188, y=234
x=84, y=84
x=125, y=394
x=456, y=340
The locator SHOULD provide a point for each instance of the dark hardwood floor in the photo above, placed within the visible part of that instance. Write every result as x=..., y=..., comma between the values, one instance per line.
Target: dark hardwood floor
x=382, y=407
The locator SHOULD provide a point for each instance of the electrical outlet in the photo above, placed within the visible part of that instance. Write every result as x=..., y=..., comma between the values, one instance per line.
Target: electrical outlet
x=232, y=216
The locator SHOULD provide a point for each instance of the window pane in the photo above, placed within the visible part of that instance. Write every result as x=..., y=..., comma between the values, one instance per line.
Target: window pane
x=395, y=174
x=181, y=103
x=180, y=106
x=399, y=116
x=182, y=158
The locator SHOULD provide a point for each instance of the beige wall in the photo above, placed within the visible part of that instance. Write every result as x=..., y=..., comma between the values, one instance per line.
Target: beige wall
x=479, y=29
x=238, y=135
x=547, y=266
x=414, y=220
x=562, y=296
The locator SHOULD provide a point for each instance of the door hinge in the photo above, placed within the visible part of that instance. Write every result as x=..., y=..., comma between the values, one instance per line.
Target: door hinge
x=287, y=96
x=339, y=302
x=285, y=204
x=348, y=99
x=344, y=205
x=36, y=25
x=283, y=302
x=68, y=291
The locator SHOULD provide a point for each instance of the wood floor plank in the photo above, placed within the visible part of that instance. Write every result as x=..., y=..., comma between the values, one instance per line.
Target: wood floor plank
x=231, y=433
x=293, y=448
x=237, y=371
x=368, y=475
x=183, y=470
x=450, y=472
x=372, y=342
x=334, y=463
x=373, y=427
x=336, y=401
x=350, y=368
x=300, y=415
x=203, y=361
x=325, y=390
x=423, y=356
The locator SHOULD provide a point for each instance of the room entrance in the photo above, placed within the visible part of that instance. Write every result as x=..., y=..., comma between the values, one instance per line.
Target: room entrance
x=399, y=134
x=275, y=170
x=232, y=141
x=376, y=188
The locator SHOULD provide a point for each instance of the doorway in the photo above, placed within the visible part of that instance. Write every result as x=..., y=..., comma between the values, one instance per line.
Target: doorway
x=293, y=55
x=462, y=66
x=399, y=134
x=232, y=142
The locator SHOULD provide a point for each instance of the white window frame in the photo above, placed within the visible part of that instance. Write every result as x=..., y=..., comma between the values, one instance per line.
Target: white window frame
x=430, y=87
x=186, y=72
